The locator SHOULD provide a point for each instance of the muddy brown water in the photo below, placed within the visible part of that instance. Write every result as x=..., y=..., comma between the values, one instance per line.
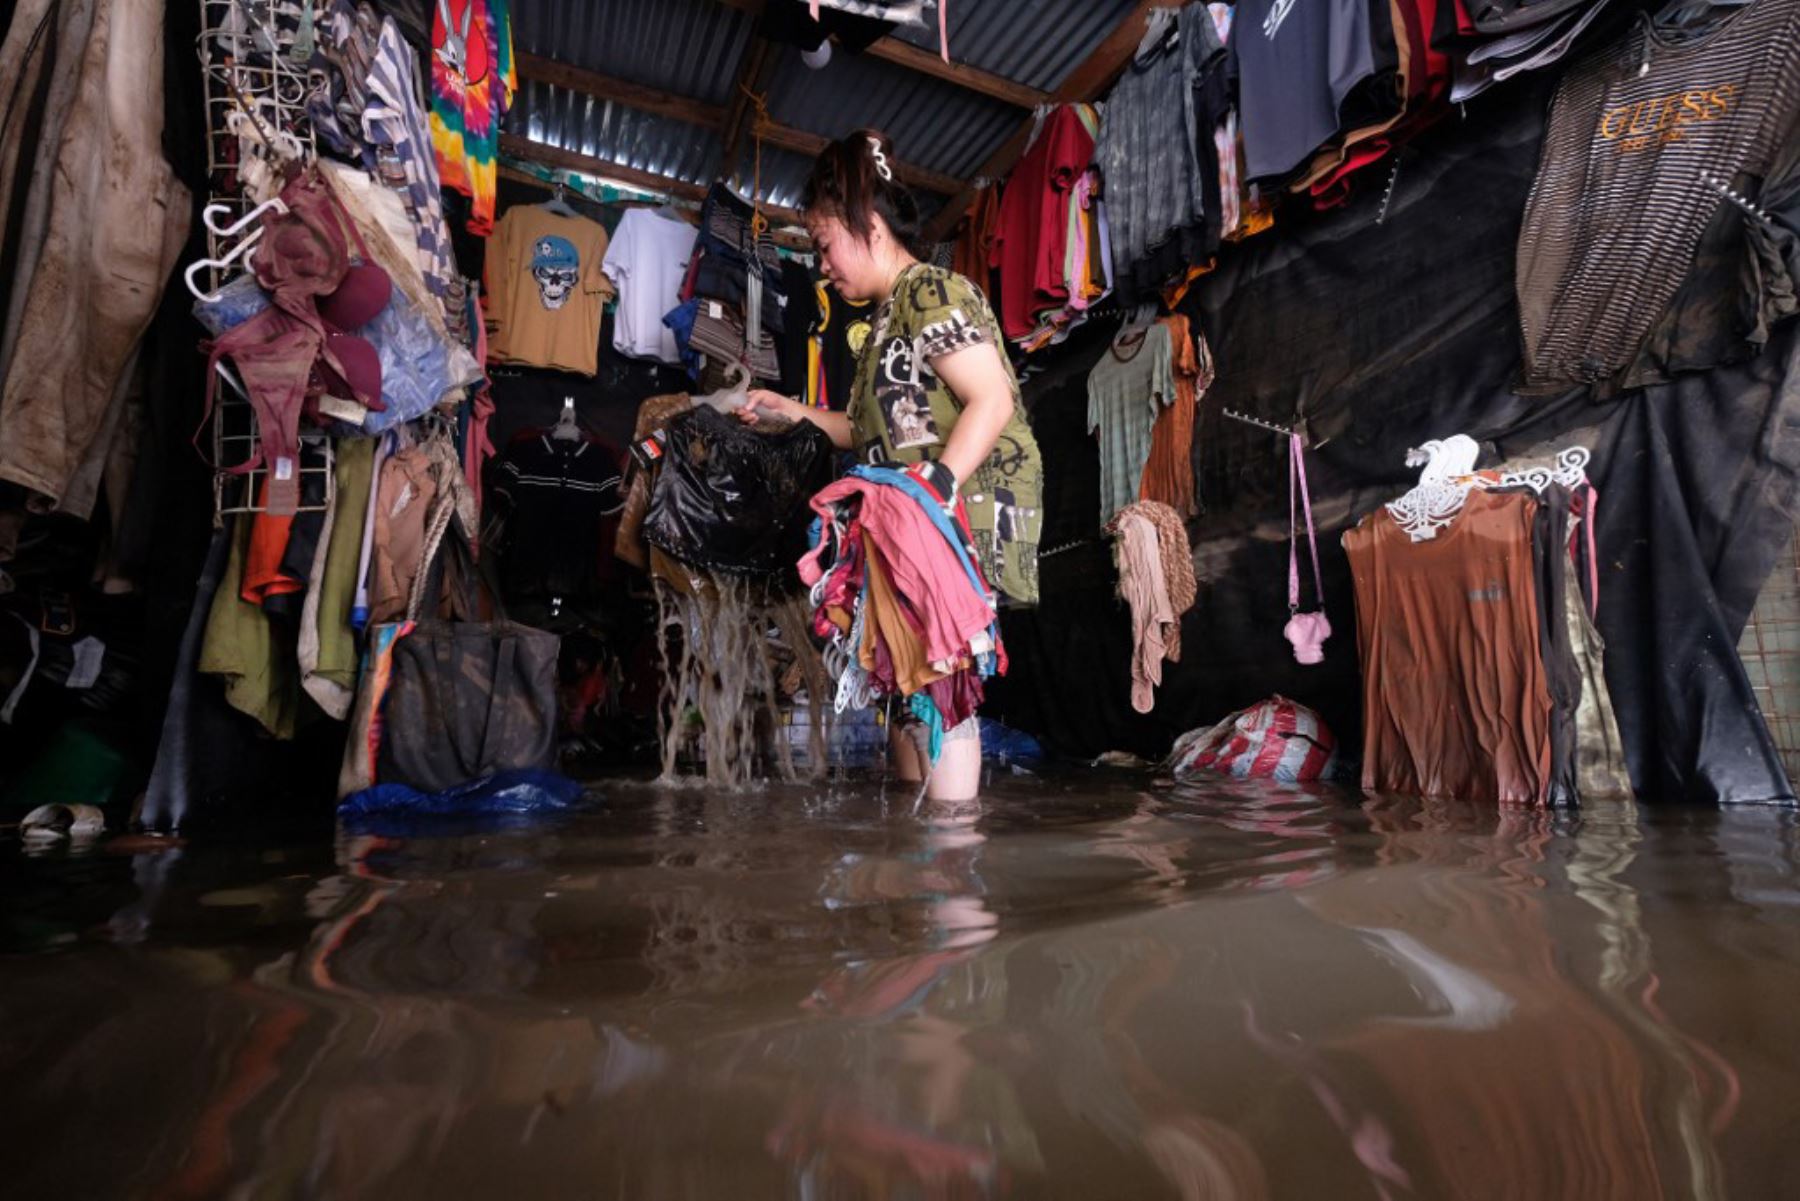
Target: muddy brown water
x=1088, y=986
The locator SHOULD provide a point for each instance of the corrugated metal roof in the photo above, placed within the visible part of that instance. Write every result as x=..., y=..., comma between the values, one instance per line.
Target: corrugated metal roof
x=695, y=48
x=688, y=47
x=935, y=125
x=1033, y=42
x=554, y=116
x=784, y=175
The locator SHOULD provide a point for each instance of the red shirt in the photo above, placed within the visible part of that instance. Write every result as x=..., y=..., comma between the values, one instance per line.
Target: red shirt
x=1032, y=234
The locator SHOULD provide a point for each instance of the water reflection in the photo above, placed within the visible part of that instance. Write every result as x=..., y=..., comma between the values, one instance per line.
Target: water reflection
x=1073, y=990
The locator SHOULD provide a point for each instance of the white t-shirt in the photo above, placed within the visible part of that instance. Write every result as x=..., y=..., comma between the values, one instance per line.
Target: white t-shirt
x=648, y=261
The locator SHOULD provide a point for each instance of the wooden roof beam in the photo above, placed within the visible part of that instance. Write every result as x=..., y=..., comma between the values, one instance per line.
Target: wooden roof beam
x=802, y=142
x=793, y=239
x=572, y=160
x=736, y=123
x=513, y=145
x=1088, y=81
x=632, y=95
x=904, y=54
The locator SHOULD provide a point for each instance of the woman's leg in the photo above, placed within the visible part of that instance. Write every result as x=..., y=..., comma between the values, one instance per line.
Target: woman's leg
x=903, y=753
x=957, y=775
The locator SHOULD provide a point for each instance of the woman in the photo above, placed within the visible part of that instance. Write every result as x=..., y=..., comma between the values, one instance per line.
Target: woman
x=933, y=391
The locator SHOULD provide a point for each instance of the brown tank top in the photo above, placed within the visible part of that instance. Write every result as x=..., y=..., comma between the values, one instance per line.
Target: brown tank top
x=1455, y=702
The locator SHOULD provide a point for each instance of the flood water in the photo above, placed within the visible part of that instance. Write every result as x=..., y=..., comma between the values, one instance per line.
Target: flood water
x=1095, y=986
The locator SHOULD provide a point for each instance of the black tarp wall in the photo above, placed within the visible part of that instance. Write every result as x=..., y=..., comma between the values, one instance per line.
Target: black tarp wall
x=1376, y=329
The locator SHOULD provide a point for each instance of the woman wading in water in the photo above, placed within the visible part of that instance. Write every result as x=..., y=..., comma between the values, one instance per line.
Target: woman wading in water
x=934, y=393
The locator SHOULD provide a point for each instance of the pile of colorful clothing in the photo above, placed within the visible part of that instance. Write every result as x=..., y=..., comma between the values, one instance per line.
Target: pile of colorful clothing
x=898, y=594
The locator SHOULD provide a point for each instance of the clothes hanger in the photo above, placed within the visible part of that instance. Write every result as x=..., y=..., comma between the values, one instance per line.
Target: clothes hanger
x=567, y=428
x=213, y=213
x=1137, y=320
x=558, y=204
x=732, y=396
x=1449, y=476
x=1684, y=14
x=241, y=251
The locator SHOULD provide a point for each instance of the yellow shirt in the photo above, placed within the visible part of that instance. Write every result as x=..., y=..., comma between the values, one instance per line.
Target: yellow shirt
x=545, y=290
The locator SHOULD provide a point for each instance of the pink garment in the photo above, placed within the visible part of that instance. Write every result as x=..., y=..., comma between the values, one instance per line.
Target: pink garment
x=1142, y=584
x=923, y=568
x=1077, y=281
x=478, y=447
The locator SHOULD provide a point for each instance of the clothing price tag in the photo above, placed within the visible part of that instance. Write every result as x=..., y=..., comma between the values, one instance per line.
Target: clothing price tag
x=715, y=310
x=90, y=656
x=343, y=410
x=284, y=468
x=648, y=450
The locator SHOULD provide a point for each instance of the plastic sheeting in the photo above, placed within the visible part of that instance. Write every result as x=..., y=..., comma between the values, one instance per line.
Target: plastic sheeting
x=523, y=792
x=733, y=499
x=1377, y=328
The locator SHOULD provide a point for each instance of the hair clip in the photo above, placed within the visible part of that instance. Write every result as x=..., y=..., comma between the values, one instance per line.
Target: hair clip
x=881, y=164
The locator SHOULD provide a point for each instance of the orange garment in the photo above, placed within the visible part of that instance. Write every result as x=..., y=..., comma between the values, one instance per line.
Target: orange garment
x=1169, y=471
x=263, y=577
x=1455, y=698
x=1176, y=292
x=887, y=618
x=1258, y=217
x=975, y=244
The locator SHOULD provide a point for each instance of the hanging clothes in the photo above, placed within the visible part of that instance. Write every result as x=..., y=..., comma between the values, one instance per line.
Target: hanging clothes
x=397, y=151
x=653, y=416
x=648, y=261
x=1032, y=230
x=1455, y=699
x=472, y=84
x=1148, y=152
x=1423, y=76
x=555, y=497
x=974, y=248
x=1643, y=136
x=327, y=644
x=1307, y=72
x=108, y=231
x=842, y=331
x=1128, y=387
x=1138, y=559
x=1177, y=564
x=546, y=290
x=1169, y=467
x=242, y=646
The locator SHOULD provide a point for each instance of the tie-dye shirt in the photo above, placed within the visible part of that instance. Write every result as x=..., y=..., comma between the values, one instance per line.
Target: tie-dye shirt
x=472, y=83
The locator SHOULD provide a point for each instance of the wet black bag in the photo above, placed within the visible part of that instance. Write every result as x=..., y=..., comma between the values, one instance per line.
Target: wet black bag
x=467, y=698
x=728, y=498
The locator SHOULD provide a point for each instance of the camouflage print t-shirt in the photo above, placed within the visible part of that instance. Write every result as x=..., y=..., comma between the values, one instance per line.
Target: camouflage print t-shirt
x=901, y=412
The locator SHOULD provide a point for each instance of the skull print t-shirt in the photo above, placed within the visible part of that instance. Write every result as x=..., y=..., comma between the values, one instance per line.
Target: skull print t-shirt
x=901, y=412
x=545, y=290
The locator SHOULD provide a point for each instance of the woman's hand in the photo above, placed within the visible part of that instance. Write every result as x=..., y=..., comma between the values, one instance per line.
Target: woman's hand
x=760, y=403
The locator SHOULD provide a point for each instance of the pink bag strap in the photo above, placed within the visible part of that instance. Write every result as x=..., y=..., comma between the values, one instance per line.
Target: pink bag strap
x=1297, y=484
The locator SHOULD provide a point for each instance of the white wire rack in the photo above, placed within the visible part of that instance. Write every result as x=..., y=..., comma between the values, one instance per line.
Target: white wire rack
x=250, y=64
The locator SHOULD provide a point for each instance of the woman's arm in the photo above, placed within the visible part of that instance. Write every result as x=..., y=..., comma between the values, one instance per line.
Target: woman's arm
x=764, y=403
x=978, y=378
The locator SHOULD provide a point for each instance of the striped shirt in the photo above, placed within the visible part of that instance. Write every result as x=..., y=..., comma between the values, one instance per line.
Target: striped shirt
x=399, y=153
x=1642, y=138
